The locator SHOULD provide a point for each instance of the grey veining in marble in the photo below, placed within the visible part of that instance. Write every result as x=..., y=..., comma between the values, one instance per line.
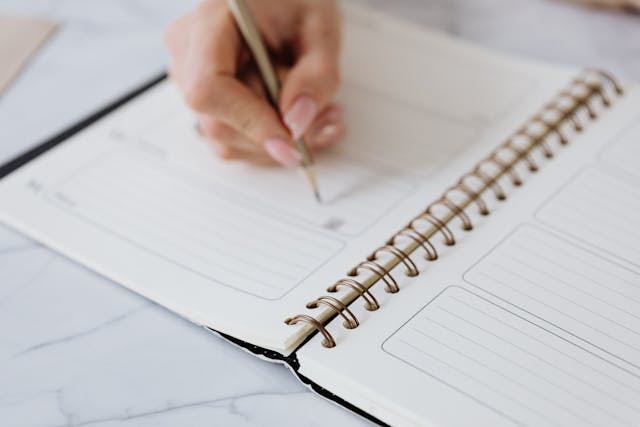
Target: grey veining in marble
x=79, y=350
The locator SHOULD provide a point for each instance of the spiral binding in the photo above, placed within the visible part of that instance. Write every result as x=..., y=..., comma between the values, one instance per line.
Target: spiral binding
x=568, y=109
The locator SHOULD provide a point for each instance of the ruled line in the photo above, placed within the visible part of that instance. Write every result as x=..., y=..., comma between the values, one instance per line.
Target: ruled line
x=599, y=209
x=209, y=232
x=514, y=367
x=590, y=298
x=534, y=392
x=574, y=258
x=624, y=152
x=584, y=276
x=174, y=233
x=524, y=334
x=531, y=371
x=188, y=195
x=471, y=377
x=585, y=228
x=586, y=212
x=558, y=280
x=555, y=309
x=195, y=218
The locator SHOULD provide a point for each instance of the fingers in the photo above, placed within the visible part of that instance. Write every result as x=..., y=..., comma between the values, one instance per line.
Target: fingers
x=232, y=102
x=209, y=64
x=227, y=142
x=314, y=78
x=195, y=46
x=205, y=48
x=328, y=129
x=230, y=144
x=206, y=73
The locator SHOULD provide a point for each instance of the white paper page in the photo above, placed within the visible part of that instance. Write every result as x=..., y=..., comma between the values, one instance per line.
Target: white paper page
x=141, y=198
x=532, y=318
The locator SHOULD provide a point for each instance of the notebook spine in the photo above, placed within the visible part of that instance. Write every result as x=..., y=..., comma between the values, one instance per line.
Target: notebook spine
x=566, y=114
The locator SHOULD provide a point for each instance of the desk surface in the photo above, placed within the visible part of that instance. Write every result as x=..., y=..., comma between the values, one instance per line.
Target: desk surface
x=77, y=349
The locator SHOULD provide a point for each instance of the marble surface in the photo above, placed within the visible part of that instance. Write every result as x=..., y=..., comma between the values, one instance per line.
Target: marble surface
x=79, y=350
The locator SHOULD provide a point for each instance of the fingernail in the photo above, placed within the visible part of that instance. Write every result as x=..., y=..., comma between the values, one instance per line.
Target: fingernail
x=301, y=115
x=335, y=114
x=327, y=135
x=282, y=152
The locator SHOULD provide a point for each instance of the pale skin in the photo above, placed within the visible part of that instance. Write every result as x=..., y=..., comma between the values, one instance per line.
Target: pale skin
x=212, y=68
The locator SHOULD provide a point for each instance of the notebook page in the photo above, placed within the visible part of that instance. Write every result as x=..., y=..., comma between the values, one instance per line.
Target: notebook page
x=532, y=318
x=594, y=298
x=141, y=198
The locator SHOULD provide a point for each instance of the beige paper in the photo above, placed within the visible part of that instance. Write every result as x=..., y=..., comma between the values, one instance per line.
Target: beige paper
x=20, y=38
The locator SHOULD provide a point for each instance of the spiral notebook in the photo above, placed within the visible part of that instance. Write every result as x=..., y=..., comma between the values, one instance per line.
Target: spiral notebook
x=476, y=260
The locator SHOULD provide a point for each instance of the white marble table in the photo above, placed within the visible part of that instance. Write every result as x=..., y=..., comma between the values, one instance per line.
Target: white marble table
x=77, y=349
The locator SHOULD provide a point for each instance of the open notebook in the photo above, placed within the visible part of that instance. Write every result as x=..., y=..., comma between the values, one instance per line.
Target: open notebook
x=415, y=295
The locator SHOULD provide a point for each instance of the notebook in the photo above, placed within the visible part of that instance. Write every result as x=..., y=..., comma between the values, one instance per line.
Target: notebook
x=476, y=260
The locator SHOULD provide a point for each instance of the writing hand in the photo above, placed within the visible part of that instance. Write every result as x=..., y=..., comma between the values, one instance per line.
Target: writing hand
x=213, y=69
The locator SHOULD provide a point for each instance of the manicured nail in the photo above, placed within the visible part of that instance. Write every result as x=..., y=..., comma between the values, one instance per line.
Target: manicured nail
x=282, y=152
x=331, y=130
x=327, y=135
x=335, y=114
x=301, y=115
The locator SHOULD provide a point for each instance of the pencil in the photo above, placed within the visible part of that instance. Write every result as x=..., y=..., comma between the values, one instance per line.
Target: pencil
x=249, y=30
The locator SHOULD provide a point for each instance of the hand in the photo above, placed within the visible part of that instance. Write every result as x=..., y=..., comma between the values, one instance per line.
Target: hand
x=214, y=70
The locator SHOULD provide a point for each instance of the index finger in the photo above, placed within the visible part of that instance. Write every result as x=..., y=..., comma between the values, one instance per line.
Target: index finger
x=210, y=84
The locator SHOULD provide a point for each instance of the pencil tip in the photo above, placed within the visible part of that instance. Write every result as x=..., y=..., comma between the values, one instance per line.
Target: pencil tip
x=311, y=178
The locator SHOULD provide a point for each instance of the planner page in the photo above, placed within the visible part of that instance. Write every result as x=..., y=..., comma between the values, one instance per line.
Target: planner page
x=532, y=318
x=141, y=198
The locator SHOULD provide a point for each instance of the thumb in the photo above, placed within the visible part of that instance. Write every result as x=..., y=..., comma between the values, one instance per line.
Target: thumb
x=314, y=78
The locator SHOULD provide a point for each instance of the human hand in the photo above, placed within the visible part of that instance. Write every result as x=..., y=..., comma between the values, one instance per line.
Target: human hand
x=214, y=70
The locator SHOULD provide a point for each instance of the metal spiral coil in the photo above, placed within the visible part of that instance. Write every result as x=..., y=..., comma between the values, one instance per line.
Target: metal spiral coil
x=583, y=98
